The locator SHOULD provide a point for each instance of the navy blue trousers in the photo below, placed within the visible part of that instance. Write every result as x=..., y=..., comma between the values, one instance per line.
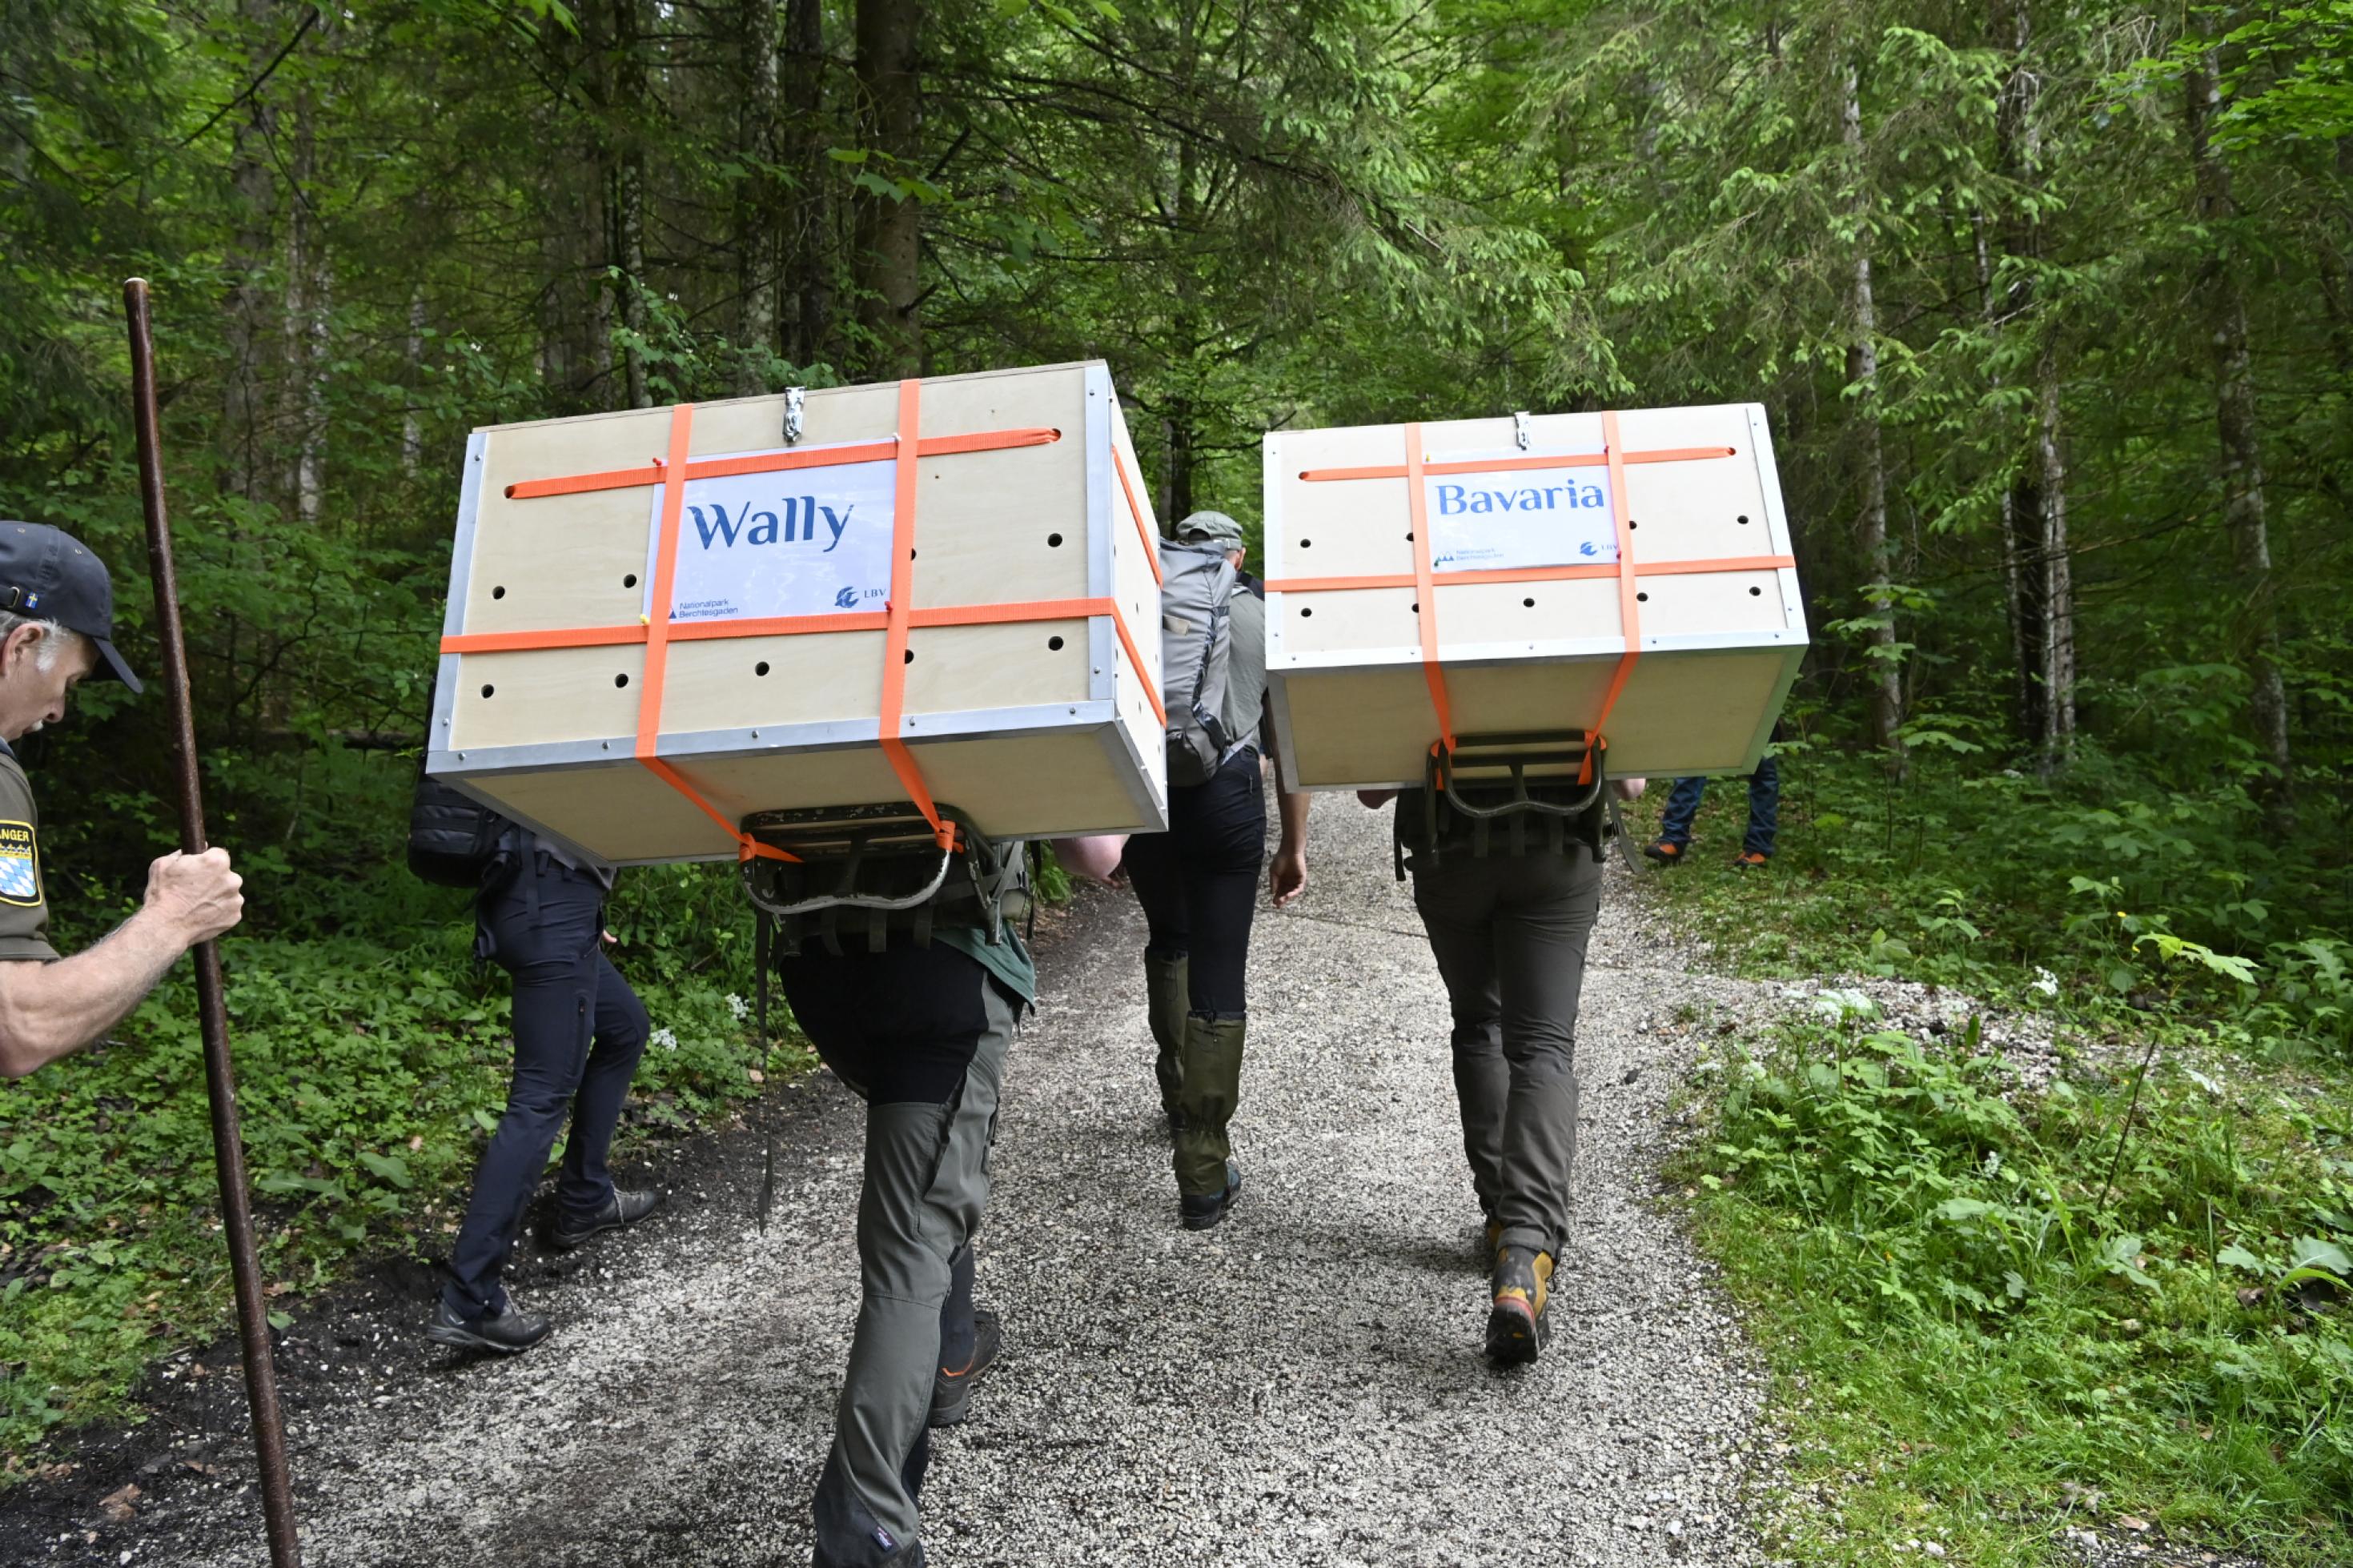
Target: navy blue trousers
x=1763, y=808
x=578, y=1032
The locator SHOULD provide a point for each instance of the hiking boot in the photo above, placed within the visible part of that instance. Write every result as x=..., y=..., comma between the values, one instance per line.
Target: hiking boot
x=1203, y=1213
x=1211, y=1066
x=951, y=1390
x=1749, y=860
x=1167, y=997
x=507, y=1331
x=1522, y=1287
x=1494, y=1240
x=1665, y=851
x=622, y=1208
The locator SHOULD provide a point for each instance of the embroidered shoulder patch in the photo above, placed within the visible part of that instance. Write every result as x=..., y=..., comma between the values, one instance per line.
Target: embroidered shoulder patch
x=20, y=865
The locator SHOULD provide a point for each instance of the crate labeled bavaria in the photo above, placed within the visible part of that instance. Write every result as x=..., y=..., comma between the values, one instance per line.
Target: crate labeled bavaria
x=1622, y=574
x=663, y=621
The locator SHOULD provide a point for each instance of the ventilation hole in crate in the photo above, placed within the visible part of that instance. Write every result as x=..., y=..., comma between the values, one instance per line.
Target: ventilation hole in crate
x=910, y=658
x=629, y=580
x=1054, y=644
x=1305, y=611
x=1756, y=593
x=911, y=553
x=1053, y=542
x=498, y=592
x=1305, y=542
x=1631, y=525
x=488, y=689
x=1527, y=603
x=1641, y=598
x=1417, y=606
x=761, y=667
x=1409, y=536
x=620, y=680
x=1742, y=518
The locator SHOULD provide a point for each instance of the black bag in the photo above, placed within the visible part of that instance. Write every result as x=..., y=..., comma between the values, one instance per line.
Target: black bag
x=452, y=837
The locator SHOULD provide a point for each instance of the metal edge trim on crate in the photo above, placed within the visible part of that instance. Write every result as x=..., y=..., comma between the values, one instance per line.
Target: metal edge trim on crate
x=493, y=762
x=1103, y=572
x=461, y=575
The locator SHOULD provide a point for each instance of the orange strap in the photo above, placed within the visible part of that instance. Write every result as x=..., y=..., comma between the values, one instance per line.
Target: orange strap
x=776, y=462
x=1629, y=612
x=1530, y=575
x=1143, y=530
x=1425, y=604
x=1513, y=465
x=903, y=601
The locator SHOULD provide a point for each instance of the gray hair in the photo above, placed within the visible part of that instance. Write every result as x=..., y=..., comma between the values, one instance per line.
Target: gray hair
x=54, y=638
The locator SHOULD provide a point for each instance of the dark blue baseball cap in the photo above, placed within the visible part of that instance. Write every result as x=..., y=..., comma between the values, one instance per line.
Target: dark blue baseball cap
x=48, y=574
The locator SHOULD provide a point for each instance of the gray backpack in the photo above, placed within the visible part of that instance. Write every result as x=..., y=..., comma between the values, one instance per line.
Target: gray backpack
x=1196, y=591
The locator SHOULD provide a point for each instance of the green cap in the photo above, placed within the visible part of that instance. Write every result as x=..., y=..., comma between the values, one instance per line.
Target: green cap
x=1209, y=527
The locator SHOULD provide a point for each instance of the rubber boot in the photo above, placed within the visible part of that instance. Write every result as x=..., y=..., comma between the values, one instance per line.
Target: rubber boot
x=1211, y=1088
x=1167, y=1000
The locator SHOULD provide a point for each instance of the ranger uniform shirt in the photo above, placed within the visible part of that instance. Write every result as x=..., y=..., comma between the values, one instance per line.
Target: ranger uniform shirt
x=24, y=910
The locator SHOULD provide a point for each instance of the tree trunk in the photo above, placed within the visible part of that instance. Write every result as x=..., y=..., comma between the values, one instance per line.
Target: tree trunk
x=760, y=211
x=812, y=213
x=2035, y=511
x=890, y=232
x=2236, y=421
x=412, y=426
x=252, y=198
x=629, y=106
x=2022, y=605
x=1863, y=373
x=308, y=286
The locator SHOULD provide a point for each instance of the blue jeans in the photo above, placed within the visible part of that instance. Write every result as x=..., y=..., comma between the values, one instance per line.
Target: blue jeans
x=578, y=1032
x=1763, y=808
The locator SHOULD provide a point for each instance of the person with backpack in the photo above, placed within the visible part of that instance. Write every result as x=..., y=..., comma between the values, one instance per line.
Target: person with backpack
x=579, y=1029
x=911, y=987
x=1508, y=897
x=1197, y=882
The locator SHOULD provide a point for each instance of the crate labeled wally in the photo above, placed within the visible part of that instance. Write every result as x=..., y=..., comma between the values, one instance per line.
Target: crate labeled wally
x=1526, y=579
x=664, y=621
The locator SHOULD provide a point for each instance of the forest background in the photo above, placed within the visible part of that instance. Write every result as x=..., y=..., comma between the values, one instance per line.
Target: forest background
x=2052, y=307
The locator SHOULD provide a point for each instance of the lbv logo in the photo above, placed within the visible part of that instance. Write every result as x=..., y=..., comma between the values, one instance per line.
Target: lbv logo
x=797, y=525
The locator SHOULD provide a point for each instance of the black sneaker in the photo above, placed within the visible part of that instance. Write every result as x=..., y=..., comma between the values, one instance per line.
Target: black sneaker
x=952, y=1391
x=505, y=1333
x=622, y=1208
x=1665, y=851
x=1521, y=1288
x=1201, y=1213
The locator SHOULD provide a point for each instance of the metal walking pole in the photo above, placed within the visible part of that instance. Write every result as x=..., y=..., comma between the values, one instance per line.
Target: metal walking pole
x=220, y=1086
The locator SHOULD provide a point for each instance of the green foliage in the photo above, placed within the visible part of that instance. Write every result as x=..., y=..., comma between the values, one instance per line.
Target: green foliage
x=1978, y=1341
x=368, y=1078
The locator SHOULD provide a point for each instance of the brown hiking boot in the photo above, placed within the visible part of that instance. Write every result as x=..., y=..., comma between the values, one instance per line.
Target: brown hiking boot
x=1521, y=1288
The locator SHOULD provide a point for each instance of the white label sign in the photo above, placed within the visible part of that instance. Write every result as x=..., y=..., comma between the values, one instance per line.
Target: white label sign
x=798, y=541
x=1515, y=518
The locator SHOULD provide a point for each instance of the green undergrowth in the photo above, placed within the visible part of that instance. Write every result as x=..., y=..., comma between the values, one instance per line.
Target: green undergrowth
x=369, y=1076
x=1976, y=1334
x=1983, y=1323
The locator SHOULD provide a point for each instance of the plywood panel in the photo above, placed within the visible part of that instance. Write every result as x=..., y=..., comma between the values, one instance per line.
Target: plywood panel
x=739, y=682
x=955, y=669
x=546, y=696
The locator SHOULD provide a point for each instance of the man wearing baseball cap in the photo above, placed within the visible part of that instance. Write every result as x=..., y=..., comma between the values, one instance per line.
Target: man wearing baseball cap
x=56, y=629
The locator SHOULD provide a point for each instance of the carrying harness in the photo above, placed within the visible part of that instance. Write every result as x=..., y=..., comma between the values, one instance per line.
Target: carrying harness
x=868, y=871
x=1514, y=785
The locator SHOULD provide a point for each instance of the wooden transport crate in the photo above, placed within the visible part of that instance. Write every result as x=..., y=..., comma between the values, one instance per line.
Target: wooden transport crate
x=1627, y=572
x=944, y=591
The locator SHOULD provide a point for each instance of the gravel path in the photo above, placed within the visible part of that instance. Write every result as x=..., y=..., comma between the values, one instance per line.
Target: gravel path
x=1302, y=1385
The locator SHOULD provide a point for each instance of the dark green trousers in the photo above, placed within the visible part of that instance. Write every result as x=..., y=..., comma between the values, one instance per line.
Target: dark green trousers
x=1509, y=932
x=921, y=1035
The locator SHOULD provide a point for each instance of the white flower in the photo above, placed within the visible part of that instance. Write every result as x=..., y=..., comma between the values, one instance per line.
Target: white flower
x=737, y=1005
x=2044, y=982
x=1846, y=1005
x=663, y=1040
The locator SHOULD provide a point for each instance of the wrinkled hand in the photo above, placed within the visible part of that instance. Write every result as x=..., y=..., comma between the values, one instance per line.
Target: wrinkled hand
x=1286, y=877
x=197, y=896
x=1628, y=789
